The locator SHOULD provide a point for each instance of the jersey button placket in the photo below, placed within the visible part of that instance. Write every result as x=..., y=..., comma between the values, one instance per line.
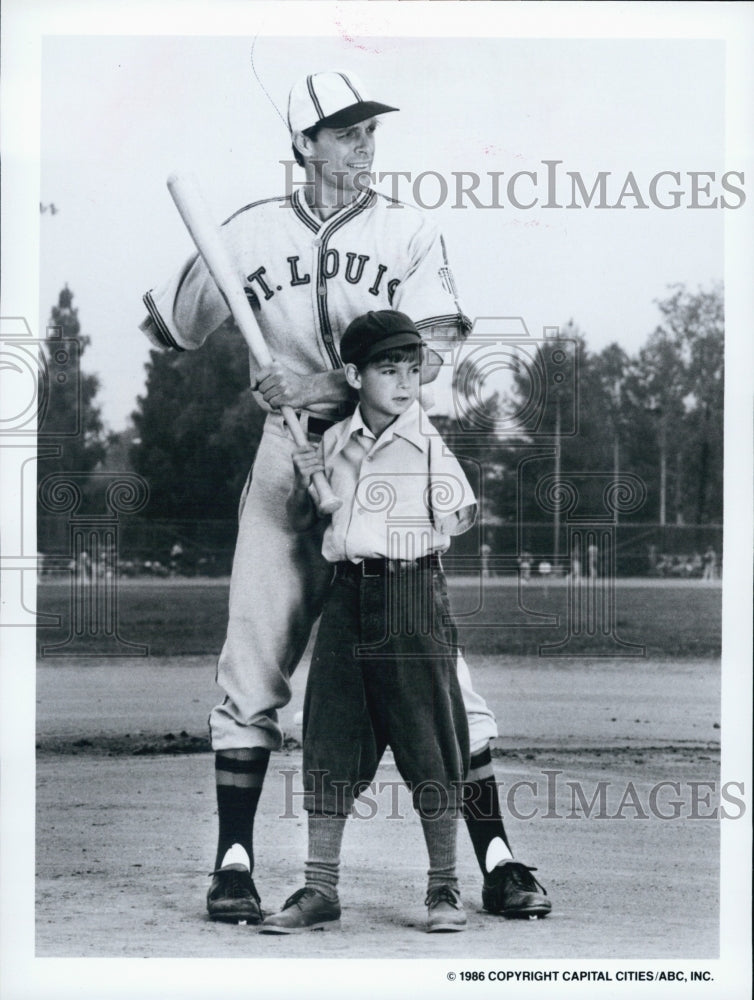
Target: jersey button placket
x=316, y=268
x=318, y=293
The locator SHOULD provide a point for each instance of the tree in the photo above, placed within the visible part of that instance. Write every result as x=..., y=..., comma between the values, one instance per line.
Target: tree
x=658, y=415
x=68, y=414
x=120, y=445
x=574, y=392
x=678, y=381
x=198, y=428
x=696, y=324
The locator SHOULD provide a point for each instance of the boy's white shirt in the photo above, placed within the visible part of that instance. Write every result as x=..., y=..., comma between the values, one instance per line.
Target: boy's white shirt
x=404, y=493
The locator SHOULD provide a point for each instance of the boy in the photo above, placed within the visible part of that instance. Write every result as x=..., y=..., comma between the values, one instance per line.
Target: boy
x=384, y=665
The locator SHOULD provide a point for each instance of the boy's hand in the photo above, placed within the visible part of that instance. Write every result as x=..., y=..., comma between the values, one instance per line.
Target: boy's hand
x=300, y=504
x=307, y=461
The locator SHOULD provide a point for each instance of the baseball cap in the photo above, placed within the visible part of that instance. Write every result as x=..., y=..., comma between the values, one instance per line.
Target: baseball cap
x=374, y=332
x=332, y=99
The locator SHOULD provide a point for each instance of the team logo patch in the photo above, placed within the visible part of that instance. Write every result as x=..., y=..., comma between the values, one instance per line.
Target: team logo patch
x=448, y=281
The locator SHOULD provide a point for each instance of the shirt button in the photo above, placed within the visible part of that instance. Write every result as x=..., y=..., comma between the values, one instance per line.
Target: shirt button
x=317, y=242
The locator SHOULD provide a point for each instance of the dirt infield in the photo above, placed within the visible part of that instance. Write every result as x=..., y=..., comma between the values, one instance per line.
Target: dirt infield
x=126, y=818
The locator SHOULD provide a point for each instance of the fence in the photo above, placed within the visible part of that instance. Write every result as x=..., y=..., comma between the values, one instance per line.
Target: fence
x=205, y=548
x=641, y=549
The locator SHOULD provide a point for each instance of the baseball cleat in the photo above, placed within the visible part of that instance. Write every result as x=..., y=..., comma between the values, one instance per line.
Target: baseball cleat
x=305, y=910
x=444, y=910
x=232, y=895
x=511, y=891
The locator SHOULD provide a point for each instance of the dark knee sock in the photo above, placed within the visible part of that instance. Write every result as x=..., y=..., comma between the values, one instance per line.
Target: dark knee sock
x=239, y=785
x=481, y=806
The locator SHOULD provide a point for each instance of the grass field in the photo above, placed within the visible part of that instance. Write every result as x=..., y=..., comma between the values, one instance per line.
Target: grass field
x=182, y=617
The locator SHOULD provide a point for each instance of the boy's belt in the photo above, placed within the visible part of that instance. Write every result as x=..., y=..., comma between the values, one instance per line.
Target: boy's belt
x=384, y=567
x=314, y=425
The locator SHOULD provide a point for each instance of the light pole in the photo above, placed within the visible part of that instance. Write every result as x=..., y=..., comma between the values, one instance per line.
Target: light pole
x=616, y=394
x=663, y=467
x=556, y=512
x=657, y=410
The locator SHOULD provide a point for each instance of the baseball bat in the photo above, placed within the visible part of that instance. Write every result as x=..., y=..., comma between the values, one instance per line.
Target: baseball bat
x=206, y=235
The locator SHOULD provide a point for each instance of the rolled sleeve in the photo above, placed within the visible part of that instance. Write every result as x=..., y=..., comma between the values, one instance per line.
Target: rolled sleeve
x=452, y=499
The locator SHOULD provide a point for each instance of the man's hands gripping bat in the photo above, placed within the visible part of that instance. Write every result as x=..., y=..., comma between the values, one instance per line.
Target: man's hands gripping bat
x=206, y=235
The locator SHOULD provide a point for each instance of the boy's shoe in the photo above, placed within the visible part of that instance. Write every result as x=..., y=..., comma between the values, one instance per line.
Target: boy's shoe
x=232, y=895
x=444, y=910
x=510, y=890
x=305, y=910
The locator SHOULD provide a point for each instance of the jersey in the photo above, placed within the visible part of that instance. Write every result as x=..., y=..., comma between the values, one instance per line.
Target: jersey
x=306, y=280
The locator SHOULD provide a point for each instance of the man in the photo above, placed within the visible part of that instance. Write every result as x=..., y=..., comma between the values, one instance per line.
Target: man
x=311, y=262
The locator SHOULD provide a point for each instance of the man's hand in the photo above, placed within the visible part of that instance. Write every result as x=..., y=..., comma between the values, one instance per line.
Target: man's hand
x=282, y=387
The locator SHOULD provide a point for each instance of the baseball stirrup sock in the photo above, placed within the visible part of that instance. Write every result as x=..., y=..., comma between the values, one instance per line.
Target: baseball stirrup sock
x=239, y=785
x=481, y=809
x=323, y=864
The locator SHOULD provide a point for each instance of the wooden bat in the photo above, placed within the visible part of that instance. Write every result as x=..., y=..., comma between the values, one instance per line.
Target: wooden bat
x=206, y=235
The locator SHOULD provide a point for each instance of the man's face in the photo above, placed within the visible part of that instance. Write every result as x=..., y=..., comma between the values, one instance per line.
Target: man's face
x=346, y=156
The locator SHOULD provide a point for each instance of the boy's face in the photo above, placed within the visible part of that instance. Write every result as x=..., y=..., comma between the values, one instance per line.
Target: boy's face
x=386, y=389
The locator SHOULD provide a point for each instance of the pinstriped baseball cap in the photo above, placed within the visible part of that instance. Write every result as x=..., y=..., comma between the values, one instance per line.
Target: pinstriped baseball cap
x=331, y=99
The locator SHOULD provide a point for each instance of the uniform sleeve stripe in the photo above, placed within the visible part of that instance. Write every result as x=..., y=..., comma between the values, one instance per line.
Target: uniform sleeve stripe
x=161, y=331
x=450, y=319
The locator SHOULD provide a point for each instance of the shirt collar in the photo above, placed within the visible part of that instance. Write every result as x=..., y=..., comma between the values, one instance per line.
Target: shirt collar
x=309, y=218
x=407, y=426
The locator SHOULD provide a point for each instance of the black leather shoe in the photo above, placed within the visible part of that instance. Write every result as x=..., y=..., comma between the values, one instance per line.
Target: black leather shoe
x=510, y=890
x=233, y=897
